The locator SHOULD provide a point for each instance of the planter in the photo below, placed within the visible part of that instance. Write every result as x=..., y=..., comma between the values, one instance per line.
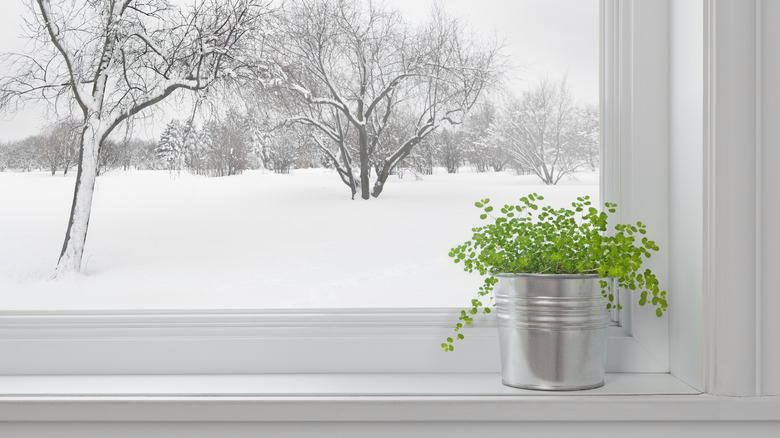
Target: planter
x=552, y=331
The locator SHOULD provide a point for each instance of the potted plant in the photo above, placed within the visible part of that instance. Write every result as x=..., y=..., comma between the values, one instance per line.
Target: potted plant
x=551, y=275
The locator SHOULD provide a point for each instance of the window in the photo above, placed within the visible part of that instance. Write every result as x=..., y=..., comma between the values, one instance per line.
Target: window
x=178, y=339
x=162, y=235
x=722, y=340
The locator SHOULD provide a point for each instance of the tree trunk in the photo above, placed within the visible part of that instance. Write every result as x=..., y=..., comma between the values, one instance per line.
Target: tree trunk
x=348, y=170
x=393, y=161
x=76, y=235
x=365, y=166
x=381, y=177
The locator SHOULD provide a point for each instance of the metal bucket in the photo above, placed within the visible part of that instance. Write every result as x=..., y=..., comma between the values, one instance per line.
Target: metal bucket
x=552, y=330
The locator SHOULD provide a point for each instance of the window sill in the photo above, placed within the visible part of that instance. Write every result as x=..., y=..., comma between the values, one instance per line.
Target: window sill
x=361, y=397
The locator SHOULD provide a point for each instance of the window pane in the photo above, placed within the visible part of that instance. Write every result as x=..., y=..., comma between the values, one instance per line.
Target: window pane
x=238, y=202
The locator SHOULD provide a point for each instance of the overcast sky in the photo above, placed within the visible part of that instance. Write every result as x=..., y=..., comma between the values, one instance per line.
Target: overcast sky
x=553, y=37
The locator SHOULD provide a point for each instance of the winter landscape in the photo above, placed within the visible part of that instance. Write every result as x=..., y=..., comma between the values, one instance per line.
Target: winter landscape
x=257, y=240
x=241, y=154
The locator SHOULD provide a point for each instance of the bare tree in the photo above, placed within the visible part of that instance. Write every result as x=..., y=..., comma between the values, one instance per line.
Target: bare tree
x=450, y=150
x=48, y=152
x=543, y=132
x=283, y=147
x=356, y=66
x=478, y=148
x=69, y=132
x=228, y=145
x=586, y=135
x=130, y=151
x=114, y=59
x=20, y=155
x=57, y=145
x=421, y=159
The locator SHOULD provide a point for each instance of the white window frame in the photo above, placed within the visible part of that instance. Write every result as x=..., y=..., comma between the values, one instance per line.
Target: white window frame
x=328, y=341
x=720, y=342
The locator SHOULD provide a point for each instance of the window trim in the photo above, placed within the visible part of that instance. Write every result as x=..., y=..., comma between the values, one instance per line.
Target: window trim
x=727, y=337
x=250, y=342
x=635, y=131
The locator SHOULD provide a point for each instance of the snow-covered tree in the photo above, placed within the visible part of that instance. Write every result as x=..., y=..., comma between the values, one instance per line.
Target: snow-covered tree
x=116, y=58
x=422, y=158
x=21, y=154
x=586, y=135
x=5, y=156
x=282, y=148
x=171, y=149
x=545, y=132
x=110, y=156
x=481, y=152
x=48, y=152
x=57, y=146
x=228, y=146
x=193, y=147
x=355, y=67
x=130, y=153
x=141, y=155
x=449, y=149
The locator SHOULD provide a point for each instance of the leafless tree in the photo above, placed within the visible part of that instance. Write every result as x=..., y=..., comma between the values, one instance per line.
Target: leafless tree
x=474, y=136
x=283, y=147
x=544, y=132
x=450, y=150
x=130, y=153
x=57, y=146
x=5, y=156
x=355, y=67
x=421, y=160
x=113, y=59
x=20, y=155
x=110, y=156
x=48, y=152
x=228, y=145
x=586, y=133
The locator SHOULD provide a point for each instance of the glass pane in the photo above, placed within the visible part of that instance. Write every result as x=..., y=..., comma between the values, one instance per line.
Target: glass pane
x=233, y=198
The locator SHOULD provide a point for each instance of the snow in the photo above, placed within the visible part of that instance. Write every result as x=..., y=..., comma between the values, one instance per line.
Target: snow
x=258, y=240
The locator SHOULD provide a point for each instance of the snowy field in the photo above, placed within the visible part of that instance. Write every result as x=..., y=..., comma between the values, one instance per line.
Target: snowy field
x=254, y=241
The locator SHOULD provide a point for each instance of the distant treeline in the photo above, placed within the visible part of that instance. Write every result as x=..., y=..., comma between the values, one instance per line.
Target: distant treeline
x=543, y=133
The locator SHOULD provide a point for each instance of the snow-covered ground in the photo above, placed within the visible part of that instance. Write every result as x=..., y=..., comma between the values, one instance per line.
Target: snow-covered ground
x=257, y=240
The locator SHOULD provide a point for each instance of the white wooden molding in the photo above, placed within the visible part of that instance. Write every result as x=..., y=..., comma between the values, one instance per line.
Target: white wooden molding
x=732, y=198
x=768, y=24
x=332, y=341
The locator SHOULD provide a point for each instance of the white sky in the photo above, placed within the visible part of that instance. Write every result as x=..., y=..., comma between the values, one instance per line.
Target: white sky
x=553, y=37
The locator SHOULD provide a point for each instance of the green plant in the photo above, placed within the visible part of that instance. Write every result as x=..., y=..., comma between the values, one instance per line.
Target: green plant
x=525, y=238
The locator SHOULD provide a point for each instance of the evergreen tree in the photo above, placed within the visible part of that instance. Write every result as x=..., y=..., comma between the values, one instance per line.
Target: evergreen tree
x=171, y=148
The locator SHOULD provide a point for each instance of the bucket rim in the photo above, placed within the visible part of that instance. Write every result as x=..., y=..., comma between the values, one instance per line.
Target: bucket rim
x=549, y=276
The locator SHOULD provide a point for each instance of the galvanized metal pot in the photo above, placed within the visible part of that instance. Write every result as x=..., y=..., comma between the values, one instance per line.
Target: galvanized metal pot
x=552, y=330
